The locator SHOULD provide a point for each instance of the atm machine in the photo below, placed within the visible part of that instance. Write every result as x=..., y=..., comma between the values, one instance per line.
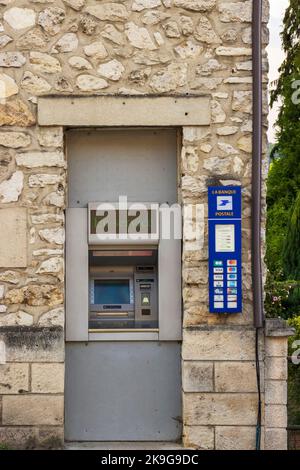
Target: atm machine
x=123, y=324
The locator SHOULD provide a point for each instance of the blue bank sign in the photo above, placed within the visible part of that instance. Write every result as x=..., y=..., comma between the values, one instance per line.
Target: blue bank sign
x=225, y=249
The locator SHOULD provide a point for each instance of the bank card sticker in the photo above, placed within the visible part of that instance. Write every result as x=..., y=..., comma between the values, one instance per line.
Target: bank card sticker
x=218, y=304
x=232, y=284
x=232, y=277
x=232, y=298
x=231, y=262
x=218, y=291
x=231, y=269
x=218, y=270
x=218, y=284
x=218, y=277
x=218, y=263
x=231, y=304
x=219, y=298
x=232, y=291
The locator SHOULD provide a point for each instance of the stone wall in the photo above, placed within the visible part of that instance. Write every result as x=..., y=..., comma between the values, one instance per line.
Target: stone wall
x=132, y=47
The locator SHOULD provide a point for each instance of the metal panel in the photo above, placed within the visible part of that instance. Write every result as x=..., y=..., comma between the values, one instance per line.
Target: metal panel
x=124, y=111
x=105, y=164
x=169, y=290
x=123, y=391
x=77, y=275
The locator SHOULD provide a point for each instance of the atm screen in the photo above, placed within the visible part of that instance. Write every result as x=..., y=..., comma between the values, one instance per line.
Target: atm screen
x=111, y=291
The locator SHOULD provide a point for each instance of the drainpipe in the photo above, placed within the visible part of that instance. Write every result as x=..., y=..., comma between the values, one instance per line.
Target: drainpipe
x=257, y=164
x=256, y=196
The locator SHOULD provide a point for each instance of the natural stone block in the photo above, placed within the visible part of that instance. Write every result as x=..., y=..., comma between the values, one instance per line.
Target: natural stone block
x=14, y=378
x=276, y=392
x=33, y=410
x=235, y=437
x=219, y=345
x=220, y=409
x=19, y=18
x=275, y=439
x=197, y=376
x=18, y=318
x=40, y=159
x=13, y=237
x=8, y=86
x=36, y=295
x=14, y=139
x=198, y=437
x=235, y=377
x=55, y=317
x=11, y=189
x=33, y=344
x=15, y=113
x=276, y=346
x=108, y=11
x=275, y=416
x=47, y=378
x=276, y=368
x=24, y=438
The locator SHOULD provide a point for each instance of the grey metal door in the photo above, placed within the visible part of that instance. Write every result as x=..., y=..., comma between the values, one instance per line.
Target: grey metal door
x=122, y=390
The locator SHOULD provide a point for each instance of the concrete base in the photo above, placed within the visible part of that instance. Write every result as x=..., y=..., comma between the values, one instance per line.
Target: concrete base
x=123, y=446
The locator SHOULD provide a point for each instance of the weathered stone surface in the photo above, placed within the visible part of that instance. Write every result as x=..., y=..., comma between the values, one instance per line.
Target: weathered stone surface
x=276, y=347
x=15, y=113
x=220, y=409
x=51, y=266
x=240, y=11
x=2, y=290
x=41, y=219
x=39, y=159
x=33, y=410
x=197, y=376
x=204, y=32
x=44, y=63
x=47, y=378
x=19, y=18
x=108, y=11
x=188, y=50
x=196, y=5
x=50, y=19
x=55, y=317
x=14, y=139
x=112, y=70
x=14, y=378
x=80, y=63
x=90, y=83
x=35, y=295
x=275, y=439
x=75, y=4
x=242, y=101
x=139, y=37
x=43, y=179
x=12, y=59
x=11, y=189
x=35, y=84
x=173, y=76
x=171, y=29
x=276, y=392
x=226, y=345
x=55, y=235
x=67, y=43
x=19, y=318
x=275, y=416
x=33, y=39
x=96, y=50
x=218, y=114
x=233, y=377
x=50, y=137
x=198, y=437
x=233, y=51
x=112, y=34
x=154, y=17
x=56, y=198
x=140, y=5
x=227, y=130
x=4, y=40
x=245, y=144
x=235, y=438
x=13, y=237
x=276, y=368
x=8, y=86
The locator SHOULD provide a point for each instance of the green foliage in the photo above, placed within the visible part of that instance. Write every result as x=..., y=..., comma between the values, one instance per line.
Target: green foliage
x=282, y=298
x=291, y=251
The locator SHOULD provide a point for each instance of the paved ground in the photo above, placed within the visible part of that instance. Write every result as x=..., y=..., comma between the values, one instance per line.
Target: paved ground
x=122, y=446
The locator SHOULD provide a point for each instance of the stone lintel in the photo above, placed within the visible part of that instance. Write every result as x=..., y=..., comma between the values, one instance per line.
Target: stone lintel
x=193, y=110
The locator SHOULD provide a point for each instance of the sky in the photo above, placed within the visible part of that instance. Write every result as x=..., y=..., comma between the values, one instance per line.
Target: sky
x=276, y=55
